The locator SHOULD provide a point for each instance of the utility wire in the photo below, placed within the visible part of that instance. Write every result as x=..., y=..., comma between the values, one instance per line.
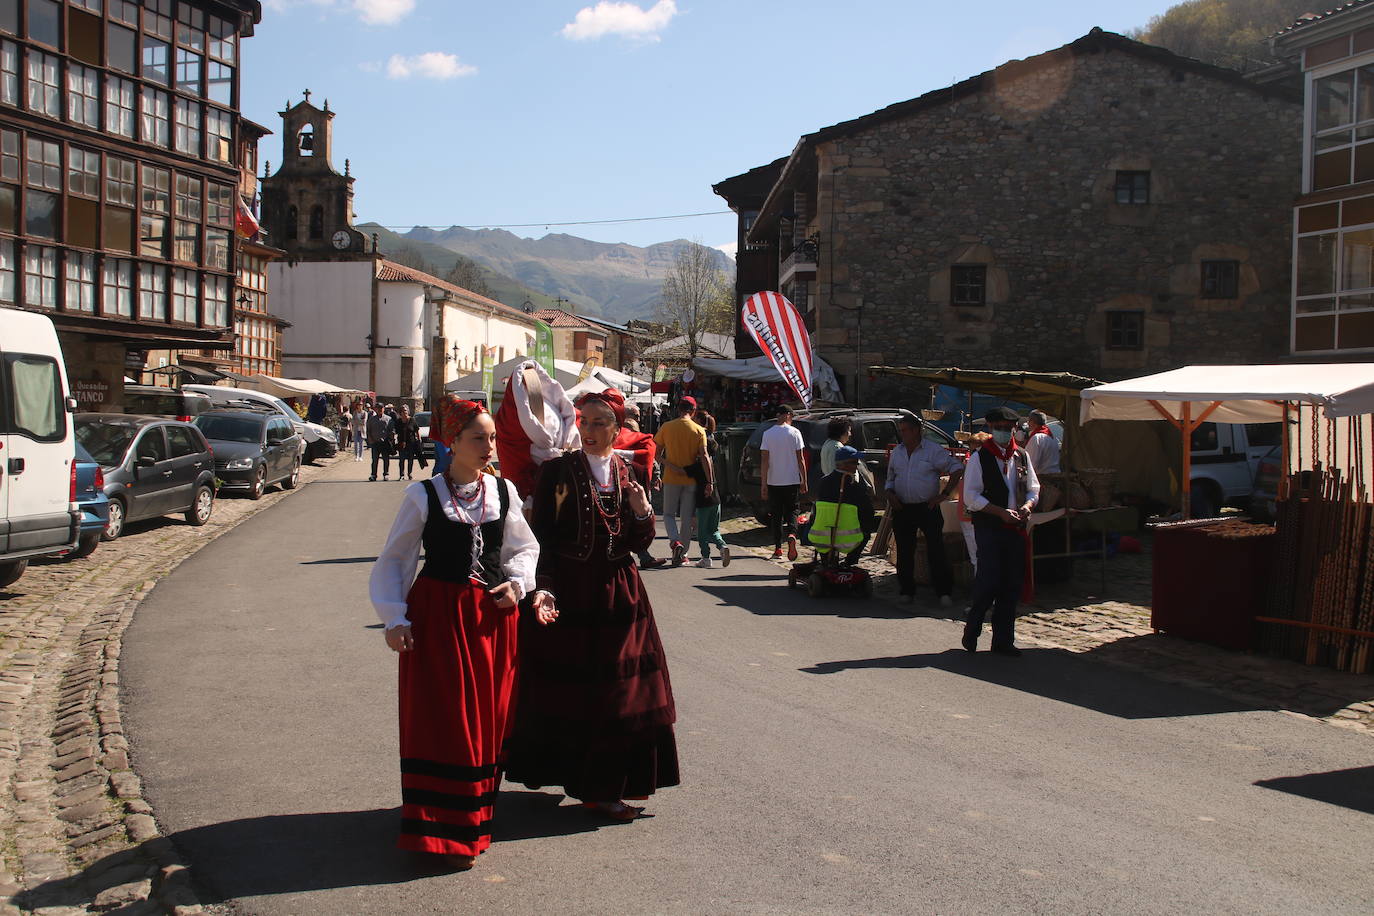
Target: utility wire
x=581, y=222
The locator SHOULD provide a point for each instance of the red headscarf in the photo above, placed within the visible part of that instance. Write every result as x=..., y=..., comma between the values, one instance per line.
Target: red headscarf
x=611, y=397
x=450, y=416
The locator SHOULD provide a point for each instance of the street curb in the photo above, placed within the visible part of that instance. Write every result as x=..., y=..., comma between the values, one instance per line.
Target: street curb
x=110, y=853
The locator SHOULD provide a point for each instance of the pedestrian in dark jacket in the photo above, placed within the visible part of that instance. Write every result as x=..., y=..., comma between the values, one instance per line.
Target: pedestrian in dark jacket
x=407, y=444
x=381, y=438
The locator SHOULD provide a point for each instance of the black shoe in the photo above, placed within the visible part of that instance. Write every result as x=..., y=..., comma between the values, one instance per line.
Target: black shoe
x=372, y=478
x=1009, y=651
x=970, y=642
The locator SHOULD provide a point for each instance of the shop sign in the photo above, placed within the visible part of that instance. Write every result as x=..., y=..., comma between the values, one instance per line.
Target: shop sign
x=91, y=394
x=543, y=346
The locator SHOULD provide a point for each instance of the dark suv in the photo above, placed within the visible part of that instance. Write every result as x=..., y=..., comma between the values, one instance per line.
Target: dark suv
x=874, y=434
x=152, y=466
x=253, y=448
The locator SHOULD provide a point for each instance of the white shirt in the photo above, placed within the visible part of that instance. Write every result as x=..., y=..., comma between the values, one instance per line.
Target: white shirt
x=974, y=501
x=782, y=442
x=915, y=476
x=394, y=571
x=1043, y=451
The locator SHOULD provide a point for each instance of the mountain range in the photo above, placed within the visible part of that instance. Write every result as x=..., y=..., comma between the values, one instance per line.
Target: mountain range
x=615, y=281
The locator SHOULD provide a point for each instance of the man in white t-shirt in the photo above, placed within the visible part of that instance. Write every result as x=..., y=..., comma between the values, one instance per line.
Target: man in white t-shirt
x=1041, y=446
x=783, y=479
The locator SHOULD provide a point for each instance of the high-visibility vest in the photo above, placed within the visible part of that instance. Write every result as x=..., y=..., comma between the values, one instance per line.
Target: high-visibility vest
x=836, y=525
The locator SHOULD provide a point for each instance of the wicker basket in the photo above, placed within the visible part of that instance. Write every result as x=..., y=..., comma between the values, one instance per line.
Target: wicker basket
x=1051, y=492
x=1100, y=484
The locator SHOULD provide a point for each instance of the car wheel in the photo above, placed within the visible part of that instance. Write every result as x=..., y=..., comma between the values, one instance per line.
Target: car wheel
x=11, y=571
x=289, y=483
x=204, y=504
x=310, y=455
x=815, y=585
x=86, y=546
x=115, y=526
x=259, y=483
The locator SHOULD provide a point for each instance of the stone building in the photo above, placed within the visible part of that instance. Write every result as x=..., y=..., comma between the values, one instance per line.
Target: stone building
x=118, y=177
x=1107, y=208
x=1333, y=246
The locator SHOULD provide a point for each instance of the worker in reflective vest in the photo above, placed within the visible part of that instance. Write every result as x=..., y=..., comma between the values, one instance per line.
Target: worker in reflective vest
x=844, y=518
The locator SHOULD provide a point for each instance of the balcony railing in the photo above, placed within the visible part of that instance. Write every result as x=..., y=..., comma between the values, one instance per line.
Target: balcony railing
x=800, y=260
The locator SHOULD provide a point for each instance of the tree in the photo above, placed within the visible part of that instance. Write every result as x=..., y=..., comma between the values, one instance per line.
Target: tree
x=468, y=274
x=410, y=256
x=1228, y=33
x=698, y=297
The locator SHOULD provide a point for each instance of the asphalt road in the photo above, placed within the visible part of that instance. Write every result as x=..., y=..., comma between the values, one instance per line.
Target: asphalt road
x=837, y=757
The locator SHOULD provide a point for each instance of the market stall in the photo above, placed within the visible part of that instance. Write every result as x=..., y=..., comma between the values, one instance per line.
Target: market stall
x=287, y=388
x=1318, y=563
x=746, y=390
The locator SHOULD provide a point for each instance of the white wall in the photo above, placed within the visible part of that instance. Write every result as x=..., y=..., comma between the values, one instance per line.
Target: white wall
x=329, y=305
x=470, y=329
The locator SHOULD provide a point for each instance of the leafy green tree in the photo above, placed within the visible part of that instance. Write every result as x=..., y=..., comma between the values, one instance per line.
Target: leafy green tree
x=1228, y=33
x=468, y=274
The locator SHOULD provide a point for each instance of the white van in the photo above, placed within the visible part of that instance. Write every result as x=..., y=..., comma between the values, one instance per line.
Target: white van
x=316, y=440
x=37, y=445
x=1226, y=457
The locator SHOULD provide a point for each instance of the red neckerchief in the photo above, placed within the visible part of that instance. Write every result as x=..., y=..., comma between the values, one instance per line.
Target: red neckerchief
x=997, y=451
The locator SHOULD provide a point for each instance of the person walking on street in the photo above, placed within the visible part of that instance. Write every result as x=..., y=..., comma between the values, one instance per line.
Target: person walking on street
x=358, y=428
x=381, y=438
x=345, y=419
x=681, y=442
x=1000, y=490
x=407, y=444
x=914, y=496
x=708, y=498
x=455, y=627
x=783, y=479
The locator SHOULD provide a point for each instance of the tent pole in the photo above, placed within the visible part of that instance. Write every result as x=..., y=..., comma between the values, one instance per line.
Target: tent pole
x=1185, y=485
x=1287, y=467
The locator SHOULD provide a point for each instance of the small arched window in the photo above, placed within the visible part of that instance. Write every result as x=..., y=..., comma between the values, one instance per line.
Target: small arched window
x=293, y=219
x=317, y=222
x=305, y=140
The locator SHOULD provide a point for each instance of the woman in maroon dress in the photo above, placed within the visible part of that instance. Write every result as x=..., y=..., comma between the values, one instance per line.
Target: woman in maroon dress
x=595, y=712
x=455, y=628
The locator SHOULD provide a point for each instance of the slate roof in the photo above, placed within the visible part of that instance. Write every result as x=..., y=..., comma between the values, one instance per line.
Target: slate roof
x=390, y=271
x=1310, y=18
x=557, y=318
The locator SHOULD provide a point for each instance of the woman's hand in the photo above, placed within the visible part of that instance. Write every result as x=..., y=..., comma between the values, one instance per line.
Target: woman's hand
x=639, y=500
x=398, y=638
x=503, y=594
x=544, y=610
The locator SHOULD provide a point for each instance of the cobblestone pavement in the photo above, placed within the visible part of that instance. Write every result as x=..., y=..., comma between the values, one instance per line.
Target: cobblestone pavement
x=1115, y=628
x=76, y=835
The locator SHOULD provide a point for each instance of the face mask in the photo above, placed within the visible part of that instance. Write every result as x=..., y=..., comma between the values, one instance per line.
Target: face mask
x=1001, y=436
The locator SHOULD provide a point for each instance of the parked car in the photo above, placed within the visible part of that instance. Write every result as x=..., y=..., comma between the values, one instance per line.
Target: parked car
x=153, y=466
x=254, y=448
x=89, y=495
x=1226, y=461
x=1264, y=499
x=316, y=441
x=37, y=445
x=155, y=401
x=874, y=434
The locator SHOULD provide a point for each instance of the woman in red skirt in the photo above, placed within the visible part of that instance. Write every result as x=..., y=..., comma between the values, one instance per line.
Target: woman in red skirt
x=596, y=712
x=455, y=629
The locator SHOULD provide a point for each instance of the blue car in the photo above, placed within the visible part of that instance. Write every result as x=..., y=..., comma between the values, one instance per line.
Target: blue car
x=90, y=497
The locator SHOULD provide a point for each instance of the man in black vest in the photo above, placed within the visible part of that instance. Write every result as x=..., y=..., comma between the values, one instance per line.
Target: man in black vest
x=1000, y=490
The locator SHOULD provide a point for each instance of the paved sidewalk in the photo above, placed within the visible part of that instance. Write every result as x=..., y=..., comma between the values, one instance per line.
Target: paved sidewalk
x=1115, y=629
x=69, y=797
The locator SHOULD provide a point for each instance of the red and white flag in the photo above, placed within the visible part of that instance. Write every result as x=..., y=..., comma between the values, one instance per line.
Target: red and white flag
x=778, y=329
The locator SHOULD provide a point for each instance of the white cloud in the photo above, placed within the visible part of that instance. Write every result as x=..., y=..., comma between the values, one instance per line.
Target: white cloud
x=609, y=17
x=371, y=12
x=432, y=65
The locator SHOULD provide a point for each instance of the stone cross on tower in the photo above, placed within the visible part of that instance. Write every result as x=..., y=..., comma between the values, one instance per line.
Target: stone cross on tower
x=307, y=95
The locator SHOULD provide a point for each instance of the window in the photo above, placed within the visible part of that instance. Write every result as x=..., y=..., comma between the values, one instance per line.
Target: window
x=95, y=6
x=9, y=155
x=152, y=236
x=182, y=442
x=40, y=276
x=223, y=43
x=184, y=296
x=152, y=292
x=9, y=16
x=80, y=282
x=9, y=73
x=1125, y=330
x=1264, y=434
x=191, y=27
x=1204, y=438
x=879, y=434
x=219, y=136
x=44, y=165
x=217, y=249
x=968, y=284
x=35, y=400
x=83, y=95
x=45, y=90
x=317, y=222
x=7, y=271
x=119, y=106
x=119, y=287
x=220, y=204
x=83, y=37
x=117, y=230
x=188, y=197
x=186, y=243
x=1343, y=122
x=125, y=11
x=156, y=64
x=151, y=445
x=216, y=302
x=293, y=218
x=219, y=83
x=43, y=21
x=1133, y=187
x=120, y=45
x=83, y=172
x=156, y=114
x=1220, y=279
x=119, y=181
x=157, y=18
x=188, y=127
x=188, y=71
x=157, y=189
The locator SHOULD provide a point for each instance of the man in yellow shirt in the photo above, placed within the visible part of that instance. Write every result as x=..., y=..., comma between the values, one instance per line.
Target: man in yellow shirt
x=681, y=442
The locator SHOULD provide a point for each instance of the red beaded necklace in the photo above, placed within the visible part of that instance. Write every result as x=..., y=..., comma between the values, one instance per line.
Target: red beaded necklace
x=464, y=505
x=610, y=515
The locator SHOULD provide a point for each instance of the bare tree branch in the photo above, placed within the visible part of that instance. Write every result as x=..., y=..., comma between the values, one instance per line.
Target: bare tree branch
x=698, y=298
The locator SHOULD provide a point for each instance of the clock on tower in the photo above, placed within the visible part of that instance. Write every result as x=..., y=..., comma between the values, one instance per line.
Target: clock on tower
x=342, y=239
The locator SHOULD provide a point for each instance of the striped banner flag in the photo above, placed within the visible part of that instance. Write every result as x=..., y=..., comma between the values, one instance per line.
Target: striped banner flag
x=778, y=329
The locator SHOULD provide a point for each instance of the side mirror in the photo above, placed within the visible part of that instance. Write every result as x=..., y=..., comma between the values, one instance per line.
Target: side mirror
x=71, y=404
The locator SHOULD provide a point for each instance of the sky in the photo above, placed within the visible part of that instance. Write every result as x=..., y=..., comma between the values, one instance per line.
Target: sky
x=539, y=112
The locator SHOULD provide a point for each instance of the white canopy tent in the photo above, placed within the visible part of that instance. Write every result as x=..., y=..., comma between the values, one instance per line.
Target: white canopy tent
x=293, y=387
x=824, y=385
x=1193, y=395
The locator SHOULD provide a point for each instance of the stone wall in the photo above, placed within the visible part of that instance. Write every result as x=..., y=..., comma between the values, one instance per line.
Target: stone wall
x=1020, y=177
